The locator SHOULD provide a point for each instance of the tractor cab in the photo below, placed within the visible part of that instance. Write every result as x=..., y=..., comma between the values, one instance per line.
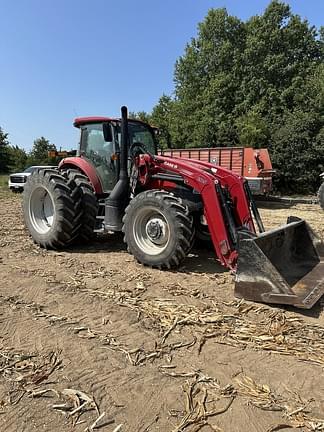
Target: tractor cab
x=100, y=145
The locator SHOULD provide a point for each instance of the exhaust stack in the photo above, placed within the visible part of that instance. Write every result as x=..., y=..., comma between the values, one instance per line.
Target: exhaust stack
x=116, y=202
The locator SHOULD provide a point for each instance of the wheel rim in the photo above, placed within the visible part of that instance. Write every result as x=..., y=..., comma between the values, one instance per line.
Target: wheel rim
x=151, y=231
x=41, y=210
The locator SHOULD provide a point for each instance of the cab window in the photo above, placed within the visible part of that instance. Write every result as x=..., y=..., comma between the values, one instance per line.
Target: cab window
x=99, y=152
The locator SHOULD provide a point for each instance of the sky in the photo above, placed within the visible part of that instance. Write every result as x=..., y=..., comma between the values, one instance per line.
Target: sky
x=70, y=58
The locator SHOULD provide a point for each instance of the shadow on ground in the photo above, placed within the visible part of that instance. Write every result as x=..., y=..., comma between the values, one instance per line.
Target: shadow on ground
x=275, y=205
x=202, y=261
x=198, y=261
x=272, y=205
x=314, y=312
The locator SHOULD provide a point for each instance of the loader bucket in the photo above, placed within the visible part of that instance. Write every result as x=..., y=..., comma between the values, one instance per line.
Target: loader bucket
x=284, y=265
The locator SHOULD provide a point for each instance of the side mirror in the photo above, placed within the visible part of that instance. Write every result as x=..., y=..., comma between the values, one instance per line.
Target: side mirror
x=106, y=128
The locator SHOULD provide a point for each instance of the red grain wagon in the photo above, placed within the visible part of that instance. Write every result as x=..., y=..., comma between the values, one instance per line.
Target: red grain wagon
x=253, y=164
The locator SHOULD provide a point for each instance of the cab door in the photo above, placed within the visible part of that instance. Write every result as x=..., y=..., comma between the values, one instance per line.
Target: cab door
x=99, y=153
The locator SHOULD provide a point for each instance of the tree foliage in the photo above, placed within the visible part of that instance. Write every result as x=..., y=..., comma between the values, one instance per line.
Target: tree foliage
x=4, y=152
x=256, y=83
x=162, y=115
x=140, y=115
x=14, y=158
x=18, y=158
x=39, y=152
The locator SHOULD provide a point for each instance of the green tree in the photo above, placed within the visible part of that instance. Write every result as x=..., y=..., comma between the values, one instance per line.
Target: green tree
x=207, y=80
x=140, y=115
x=162, y=118
x=300, y=155
x=252, y=130
x=4, y=152
x=39, y=152
x=18, y=158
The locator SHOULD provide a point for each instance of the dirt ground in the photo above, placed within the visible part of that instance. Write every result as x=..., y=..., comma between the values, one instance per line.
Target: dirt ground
x=90, y=339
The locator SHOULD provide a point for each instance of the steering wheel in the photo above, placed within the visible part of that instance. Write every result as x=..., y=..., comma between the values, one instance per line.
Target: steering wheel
x=137, y=148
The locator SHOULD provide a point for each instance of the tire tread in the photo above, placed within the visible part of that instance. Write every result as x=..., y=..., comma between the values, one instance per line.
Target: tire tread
x=180, y=218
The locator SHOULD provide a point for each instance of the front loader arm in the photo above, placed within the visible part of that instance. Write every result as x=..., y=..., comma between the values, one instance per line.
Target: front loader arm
x=209, y=184
x=240, y=193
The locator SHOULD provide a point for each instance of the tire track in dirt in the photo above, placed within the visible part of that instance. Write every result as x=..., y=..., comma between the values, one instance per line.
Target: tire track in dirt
x=101, y=379
x=193, y=314
x=69, y=304
x=64, y=324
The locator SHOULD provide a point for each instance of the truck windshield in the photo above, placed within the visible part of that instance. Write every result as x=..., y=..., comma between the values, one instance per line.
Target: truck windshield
x=30, y=169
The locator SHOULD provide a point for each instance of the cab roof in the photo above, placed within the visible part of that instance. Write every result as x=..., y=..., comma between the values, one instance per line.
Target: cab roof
x=79, y=121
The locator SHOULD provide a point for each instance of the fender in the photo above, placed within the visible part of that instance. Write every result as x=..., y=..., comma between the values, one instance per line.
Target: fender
x=86, y=168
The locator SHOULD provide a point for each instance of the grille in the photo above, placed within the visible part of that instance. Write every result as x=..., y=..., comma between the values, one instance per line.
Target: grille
x=17, y=179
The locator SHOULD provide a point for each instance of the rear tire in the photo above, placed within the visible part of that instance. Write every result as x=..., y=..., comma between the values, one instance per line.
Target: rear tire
x=89, y=205
x=158, y=229
x=52, y=209
x=320, y=195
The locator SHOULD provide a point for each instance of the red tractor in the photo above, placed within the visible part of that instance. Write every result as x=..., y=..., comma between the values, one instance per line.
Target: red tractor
x=117, y=182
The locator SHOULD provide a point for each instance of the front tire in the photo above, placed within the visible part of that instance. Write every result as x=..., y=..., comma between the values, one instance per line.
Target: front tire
x=52, y=209
x=158, y=229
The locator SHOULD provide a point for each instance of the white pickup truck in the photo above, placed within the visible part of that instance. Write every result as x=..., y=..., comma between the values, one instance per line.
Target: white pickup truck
x=17, y=181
